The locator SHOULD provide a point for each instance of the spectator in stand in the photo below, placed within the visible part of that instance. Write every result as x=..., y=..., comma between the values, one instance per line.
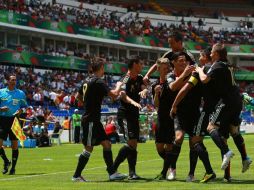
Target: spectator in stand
x=38, y=97
x=28, y=130
x=29, y=112
x=56, y=130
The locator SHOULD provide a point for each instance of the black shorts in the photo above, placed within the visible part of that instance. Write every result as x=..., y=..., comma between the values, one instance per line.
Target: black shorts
x=129, y=126
x=165, y=132
x=200, y=129
x=5, y=128
x=93, y=133
x=186, y=122
x=226, y=115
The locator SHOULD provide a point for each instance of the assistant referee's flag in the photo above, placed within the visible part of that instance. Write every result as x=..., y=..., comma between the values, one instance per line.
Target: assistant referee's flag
x=18, y=132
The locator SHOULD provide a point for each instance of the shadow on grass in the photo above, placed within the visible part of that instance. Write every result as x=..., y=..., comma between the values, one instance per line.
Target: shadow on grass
x=145, y=180
x=234, y=181
x=28, y=174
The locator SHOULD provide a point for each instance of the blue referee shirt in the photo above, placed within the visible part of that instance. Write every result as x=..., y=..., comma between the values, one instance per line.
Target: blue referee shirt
x=14, y=100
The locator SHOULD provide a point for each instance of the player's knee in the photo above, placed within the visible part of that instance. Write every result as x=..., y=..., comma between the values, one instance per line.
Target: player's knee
x=85, y=154
x=132, y=144
x=234, y=130
x=179, y=141
x=211, y=128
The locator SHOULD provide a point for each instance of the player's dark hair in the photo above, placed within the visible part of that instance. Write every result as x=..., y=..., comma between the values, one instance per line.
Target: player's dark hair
x=177, y=36
x=222, y=51
x=96, y=63
x=207, y=52
x=178, y=54
x=9, y=75
x=133, y=59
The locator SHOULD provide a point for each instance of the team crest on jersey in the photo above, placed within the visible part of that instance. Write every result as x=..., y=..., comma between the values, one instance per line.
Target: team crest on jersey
x=132, y=87
x=15, y=102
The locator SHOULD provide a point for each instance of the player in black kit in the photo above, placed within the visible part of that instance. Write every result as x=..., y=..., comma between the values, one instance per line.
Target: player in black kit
x=163, y=97
x=198, y=130
x=225, y=118
x=91, y=95
x=134, y=89
x=175, y=41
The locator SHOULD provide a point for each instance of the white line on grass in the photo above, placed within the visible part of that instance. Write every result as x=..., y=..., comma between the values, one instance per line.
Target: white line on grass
x=39, y=175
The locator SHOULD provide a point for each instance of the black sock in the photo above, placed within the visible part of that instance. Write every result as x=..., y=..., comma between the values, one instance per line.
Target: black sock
x=166, y=163
x=82, y=161
x=162, y=154
x=108, y=158
x=132, y=160
x=239, y=142
x=15, y=155
x=217, y=139
x=122, y=155
x=204, y=157
x=3, y=155
x=193, y=160
x=175, y=154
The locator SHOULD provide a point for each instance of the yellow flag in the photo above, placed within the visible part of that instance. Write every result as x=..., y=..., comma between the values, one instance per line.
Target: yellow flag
x=18, y=132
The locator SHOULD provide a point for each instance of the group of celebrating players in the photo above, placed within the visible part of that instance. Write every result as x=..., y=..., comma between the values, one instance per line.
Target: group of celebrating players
x=197, y=99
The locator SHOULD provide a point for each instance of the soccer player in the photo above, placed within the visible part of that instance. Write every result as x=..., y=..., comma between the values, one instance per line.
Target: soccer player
x=12, y=102
x=186, y=119
x=199, y=130
x=91, y=95
x=175, y=41
x=134, y=89
x=164, y=133
x=226, y=118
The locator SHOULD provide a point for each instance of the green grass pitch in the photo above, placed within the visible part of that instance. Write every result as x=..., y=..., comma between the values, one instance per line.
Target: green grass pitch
x=52, y=168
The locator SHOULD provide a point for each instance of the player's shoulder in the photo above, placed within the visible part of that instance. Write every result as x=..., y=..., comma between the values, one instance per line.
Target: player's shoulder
x=140, y=76
x=2, y=89
x=20, y=91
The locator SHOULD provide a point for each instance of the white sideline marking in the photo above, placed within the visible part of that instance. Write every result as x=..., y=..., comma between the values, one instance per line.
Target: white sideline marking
x=39, y=175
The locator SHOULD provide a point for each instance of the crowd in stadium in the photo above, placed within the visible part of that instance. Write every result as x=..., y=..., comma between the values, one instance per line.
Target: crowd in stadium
x=58, y=87
x=52, y=87
x=132, y=25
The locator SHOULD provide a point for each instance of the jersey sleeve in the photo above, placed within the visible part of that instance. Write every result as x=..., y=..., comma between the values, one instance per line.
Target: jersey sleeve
x=213, y=71
x=171, y=78
x=153, y=85
x=194, y=79
x=23, y=100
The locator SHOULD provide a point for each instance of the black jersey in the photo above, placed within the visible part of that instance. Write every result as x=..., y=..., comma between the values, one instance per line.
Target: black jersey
x=93, y=92
x=205, y=91
x=191, y=103
x=166, y=98
x=222, y=84
x=132, y=89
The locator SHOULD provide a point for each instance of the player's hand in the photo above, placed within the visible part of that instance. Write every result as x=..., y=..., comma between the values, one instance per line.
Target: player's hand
x=119, y=83
x=157, y=89
x=146, y=80
x=173, y=112
x=4, y=109
x=136, y=104
x=18, y=112
x=188, y=70
x=143, y=93
x=198, y=69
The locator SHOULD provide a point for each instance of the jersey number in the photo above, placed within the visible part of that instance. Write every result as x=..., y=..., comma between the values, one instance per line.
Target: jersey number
x=84, y=90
